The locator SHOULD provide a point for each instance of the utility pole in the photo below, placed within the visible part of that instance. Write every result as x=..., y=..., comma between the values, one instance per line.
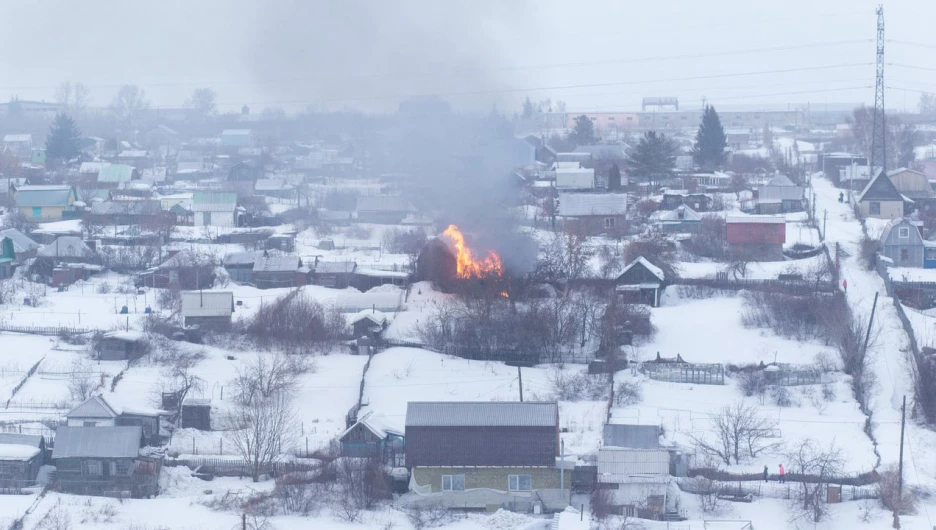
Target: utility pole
x=864, y=350
x=520, y=378
x=879, y=123
x=825, y=217
x=899, y=501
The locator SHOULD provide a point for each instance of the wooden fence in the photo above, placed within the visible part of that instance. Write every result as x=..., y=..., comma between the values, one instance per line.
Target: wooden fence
x=791, y=287
x=51, y=331
x=224, y=467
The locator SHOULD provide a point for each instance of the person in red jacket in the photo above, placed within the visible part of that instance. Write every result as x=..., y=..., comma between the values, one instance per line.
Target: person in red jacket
x=845, y=285
x=781, y=473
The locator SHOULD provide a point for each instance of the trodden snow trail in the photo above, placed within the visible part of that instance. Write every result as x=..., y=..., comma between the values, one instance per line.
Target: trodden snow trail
x=891, y=352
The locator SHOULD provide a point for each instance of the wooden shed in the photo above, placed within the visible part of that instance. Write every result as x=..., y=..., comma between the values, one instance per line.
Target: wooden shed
x=196, y=414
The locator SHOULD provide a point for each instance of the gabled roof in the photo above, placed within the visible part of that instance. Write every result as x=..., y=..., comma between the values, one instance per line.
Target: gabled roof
x=17, y=138
x=213, y=201
x=116, y=173
x=382, y=203
x=21, y=242
x=97, y=442
x=207, y=303
x=242, y=258
x=688, y=214
x=654, y=270
x=66, y=247
x=880, y=188
x=586, y=204
x=335, y=267
x=276, y=264
x=39, y=196
x=32, y=440
x=376, y=424
x=780, y=180
x=632, y=436
x=87, y=168
x=482, y=414
x=95, y=407
x=894, y=223
x=377, y=317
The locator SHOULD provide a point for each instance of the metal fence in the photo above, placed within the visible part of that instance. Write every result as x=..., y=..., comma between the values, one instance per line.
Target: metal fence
x=224, y=467
x=698, y=374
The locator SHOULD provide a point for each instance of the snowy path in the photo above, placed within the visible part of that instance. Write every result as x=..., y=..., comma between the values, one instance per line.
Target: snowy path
x=892, y=352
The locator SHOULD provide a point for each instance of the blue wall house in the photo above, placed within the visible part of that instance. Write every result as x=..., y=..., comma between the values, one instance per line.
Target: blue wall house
x=372, y=437
x=902, y=243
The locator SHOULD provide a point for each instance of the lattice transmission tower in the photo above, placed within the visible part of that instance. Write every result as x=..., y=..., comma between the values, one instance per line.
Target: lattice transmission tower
x=879, y=125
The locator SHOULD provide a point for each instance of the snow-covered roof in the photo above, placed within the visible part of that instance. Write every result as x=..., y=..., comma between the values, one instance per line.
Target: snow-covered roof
x=680, y=214
x=377, y=424
x=17, y=138
x=351, y=302
x=17, y=452
x=21, y=242
x=271, y=185
x=880, y=188
x=780, y=180
x=335, y=267
x=115, y=173
x=586, y=204
x=66, y=247
x=95, y=407
x=656, y=271
x=242, y=258
x=207, y=303
x=378, y=317
x=755, y=219
x=97, y=442
x=125, y=335
x=276, y=264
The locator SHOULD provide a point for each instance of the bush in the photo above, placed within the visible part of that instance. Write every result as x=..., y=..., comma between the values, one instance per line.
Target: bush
x=103, y=288
x=295, y=323
x=781, y=396
x=710, y=241
x=402, y=241
x=888, y=493
x=753, y=383
x=628, y=393
x=429, y=515
x=578, y=386
x=796, y=317
x=869, y=249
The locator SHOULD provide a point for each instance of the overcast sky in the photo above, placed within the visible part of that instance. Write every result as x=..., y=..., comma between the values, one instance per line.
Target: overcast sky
x=593, y=54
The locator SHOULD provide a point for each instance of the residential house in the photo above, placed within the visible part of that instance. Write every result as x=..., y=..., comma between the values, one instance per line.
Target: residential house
x=236, y=138
x=271, y=272
x=680, y=220
x=154, y=175
x=780, y=195
x=138, y=158
x=113, y=175
x=67, y=249
x=573, y=160
x=24, y=248
x=631, y=436
x=208, y=309
x=699, y=202
x=7, y=257
x=282, y=242
x=215, y=208
x=106, y=410
x=368, y=323
x=239, y=265
x=103, y=461
x=276, y=188
x=139, y=212
x=121, y=346
x=902, y=244
x=568, y=178
x=756, y=237
x=88, y=171
x=45, y=203
x=192, y=170
x=335, y=274
x=382, y=209
x=182, y=269
x=21, y=456
x=19, y=144
x=710, y=181
x=474, y=454
x=641, y=282
x=881, y=199
x=335, y=217
x=593, y=213
x=246, y=171
x=8, y=188
x=372, y=436
x=195, y=413
x=639, y=482
x=161, y=135
x=915, y=186
x=365, y=279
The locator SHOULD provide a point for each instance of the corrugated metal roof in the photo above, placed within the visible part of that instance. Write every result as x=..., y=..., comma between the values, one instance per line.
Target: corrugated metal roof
x=482, y=414
x=382, y=203
x=97, y=442
x=21, y=242
x=207, y=304
x=585, y=204
x=32, y=440
x=17, y=138
x=39, y=196
x=632, y=436
x=617, y=464
x=66, y=247
x=114, y=173
x=276, y=264
x=687, y=214
x=242, y=258
x=96, y=407
x=335, y=267
x=145, y=207
x=271, y=185
x=204, y=200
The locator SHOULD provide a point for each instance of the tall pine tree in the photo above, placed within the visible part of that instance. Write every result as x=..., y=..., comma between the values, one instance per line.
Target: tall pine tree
x=614, y=178
x=64, y=140
x=652, y=159
x=584, y=131
x=711, y=143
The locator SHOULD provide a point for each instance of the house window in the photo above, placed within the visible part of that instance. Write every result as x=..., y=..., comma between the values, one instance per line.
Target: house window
x=206, y=218
x=519, y=483
x=120, y=468
x=904, y=254
x=453, y=482
x=37, y=213
x=94, y=468
x=904, y=232
x=89, y=424
x=874, y=208
x=173, y=276
x=609, y=222
x=931, y=253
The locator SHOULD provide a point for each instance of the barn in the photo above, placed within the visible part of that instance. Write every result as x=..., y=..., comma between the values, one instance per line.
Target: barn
x=437, y=263
x=756, y=237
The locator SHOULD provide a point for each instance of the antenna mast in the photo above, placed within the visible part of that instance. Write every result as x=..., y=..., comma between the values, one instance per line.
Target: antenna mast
x=879, y=126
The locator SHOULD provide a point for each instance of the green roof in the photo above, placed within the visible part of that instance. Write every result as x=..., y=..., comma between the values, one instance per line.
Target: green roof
x=116, y=173
x=214, y=197
x=7, y=252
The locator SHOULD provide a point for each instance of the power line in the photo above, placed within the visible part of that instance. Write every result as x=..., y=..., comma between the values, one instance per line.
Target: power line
x=749, y=96
x=912, y=67
x=910, y=43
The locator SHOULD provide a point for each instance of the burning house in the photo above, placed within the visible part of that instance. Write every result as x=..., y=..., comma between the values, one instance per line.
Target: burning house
x=448, y=258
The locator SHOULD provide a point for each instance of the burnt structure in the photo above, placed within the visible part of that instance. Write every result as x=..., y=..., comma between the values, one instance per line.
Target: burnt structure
x=437, y=263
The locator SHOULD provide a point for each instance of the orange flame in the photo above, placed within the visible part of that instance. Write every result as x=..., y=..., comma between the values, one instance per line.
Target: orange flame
x=468, y=265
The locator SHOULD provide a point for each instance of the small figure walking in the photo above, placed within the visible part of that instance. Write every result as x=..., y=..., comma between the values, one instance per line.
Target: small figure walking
x=781, y=473
x=841, y=196
x=845, y=286
x=765, y=473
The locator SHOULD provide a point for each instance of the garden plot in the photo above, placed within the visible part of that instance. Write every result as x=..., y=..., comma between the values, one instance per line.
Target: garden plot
x=711, y=331
x=684, y=411
x=759, y=270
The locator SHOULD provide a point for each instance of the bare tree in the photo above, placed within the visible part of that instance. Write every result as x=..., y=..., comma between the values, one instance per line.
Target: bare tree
x=364, y=484
x=82, y=381
x=808, y=458
x=268, y=375
x=73, y=97
x=128, y=102
x=739, y=432
x=261, y=430
x=203, y=99
x=7, y=290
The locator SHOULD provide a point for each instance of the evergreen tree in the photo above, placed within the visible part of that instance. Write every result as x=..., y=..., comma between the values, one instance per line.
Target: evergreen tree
x=584, y=131
x=710, y=149
x=528, y=108
x=652, y=159
x=614, y=178
x=64, y=140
